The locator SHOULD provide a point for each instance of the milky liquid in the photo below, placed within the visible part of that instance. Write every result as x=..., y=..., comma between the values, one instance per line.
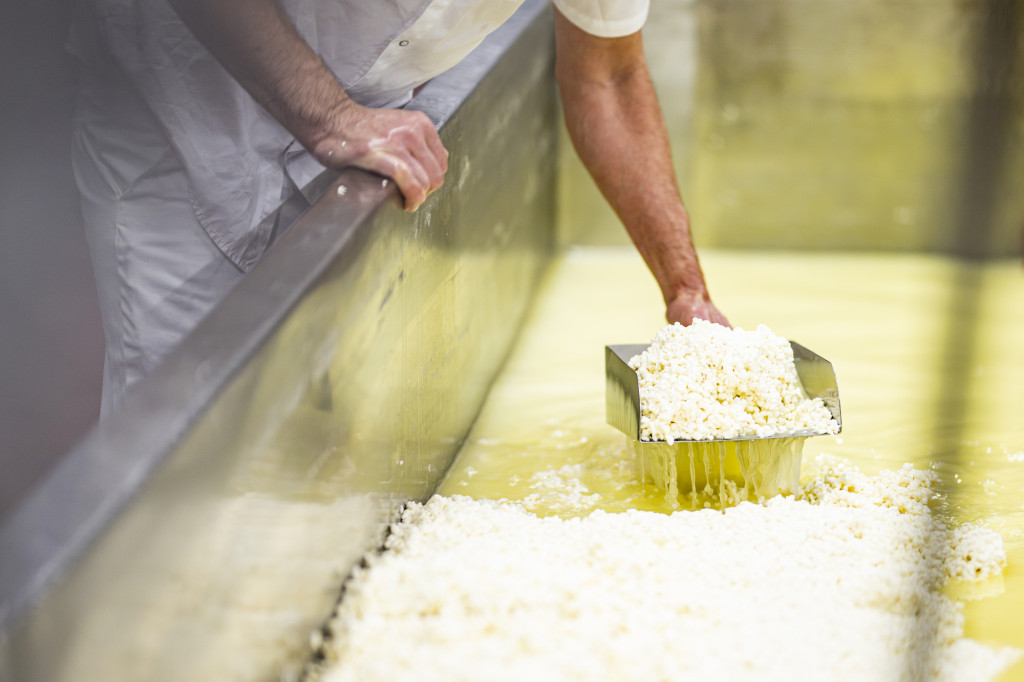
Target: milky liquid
x=928, y=361
x=697, y=474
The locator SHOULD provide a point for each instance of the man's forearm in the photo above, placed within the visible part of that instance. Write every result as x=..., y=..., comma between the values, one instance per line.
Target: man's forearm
x=256, y=42
x=258, y=45
x=616, y=126
x=618, y=133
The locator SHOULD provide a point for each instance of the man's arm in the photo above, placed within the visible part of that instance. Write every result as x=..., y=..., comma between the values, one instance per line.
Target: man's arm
x=255, y=41
x=616, y=125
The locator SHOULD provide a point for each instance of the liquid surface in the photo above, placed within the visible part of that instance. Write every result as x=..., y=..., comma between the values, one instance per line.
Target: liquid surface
x=926, y=353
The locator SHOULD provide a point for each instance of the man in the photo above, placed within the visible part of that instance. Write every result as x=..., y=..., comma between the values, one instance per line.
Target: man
x=199, y=117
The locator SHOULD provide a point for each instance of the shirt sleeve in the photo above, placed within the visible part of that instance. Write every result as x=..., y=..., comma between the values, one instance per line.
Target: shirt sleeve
x=606, y=18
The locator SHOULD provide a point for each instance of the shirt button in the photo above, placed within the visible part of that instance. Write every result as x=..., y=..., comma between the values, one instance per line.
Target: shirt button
x=403, y=43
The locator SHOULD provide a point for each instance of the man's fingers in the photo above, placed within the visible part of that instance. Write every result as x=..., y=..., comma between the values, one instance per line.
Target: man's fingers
x=401, y=145
x=433, y=165
x=409, y=175
x=437, y=151
x=417, y=147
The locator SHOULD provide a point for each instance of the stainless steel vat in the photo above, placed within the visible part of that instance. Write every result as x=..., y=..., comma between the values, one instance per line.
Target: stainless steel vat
x=203, y=531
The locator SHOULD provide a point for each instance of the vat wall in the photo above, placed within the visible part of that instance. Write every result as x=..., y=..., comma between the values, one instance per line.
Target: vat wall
x=862, y=125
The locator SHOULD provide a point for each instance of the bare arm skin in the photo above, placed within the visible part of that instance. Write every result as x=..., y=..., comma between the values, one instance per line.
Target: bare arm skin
x=616, y=125
x=257, y=44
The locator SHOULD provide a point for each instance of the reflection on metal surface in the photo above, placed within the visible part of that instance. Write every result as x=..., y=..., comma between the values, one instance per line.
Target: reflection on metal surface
x=818, y=379
x=622, y=389
x=994, y=111
x=203, y=531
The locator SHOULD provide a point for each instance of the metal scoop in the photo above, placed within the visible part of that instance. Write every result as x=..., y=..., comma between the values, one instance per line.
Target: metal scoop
x=766, y=465
x=622, y=389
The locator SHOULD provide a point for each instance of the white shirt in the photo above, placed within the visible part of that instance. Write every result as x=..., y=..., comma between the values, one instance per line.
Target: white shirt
x=448, y=30
x=232, y=151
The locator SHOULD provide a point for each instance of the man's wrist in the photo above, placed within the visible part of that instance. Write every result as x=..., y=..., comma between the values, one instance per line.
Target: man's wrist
x=315, y=108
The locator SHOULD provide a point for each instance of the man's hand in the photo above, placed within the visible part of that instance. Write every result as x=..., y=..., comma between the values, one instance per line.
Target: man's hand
x=688, y=305
x=402, y=145
x=256, y=42
x=616, y=125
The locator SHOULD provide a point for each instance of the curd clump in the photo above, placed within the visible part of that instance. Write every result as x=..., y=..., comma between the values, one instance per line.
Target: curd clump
x=710, y=382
